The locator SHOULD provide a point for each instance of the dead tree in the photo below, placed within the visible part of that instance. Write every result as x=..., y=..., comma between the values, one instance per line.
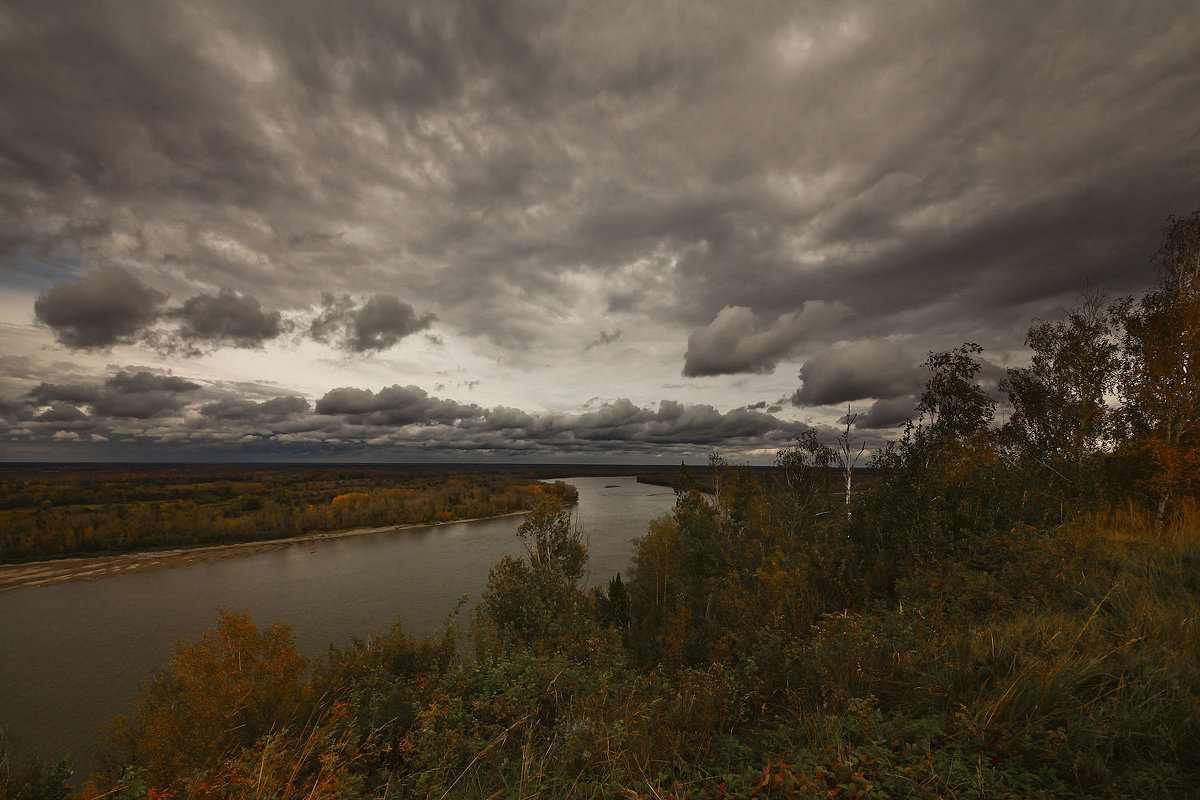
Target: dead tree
x=846, y=456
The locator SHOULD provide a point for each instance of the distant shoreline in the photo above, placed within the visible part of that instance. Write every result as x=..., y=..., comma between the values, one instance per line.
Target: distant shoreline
x=88, y=568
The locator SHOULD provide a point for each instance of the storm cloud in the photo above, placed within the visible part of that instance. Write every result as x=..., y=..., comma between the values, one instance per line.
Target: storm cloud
x=142, y=395
x=721, y=184
x=378, y=324
x=738, y=341
x=143, y=409
x=394, y=405
x=871, y=368
x=107, y=306
x=227, y=318
x=889, y=413
x=133, y=395
x=274, y=410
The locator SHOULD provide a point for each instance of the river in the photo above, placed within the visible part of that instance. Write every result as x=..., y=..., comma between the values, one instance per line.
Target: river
x=72, y=654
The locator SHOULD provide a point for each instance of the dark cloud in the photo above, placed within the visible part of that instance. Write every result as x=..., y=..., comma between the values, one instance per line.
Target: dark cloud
x=144, y=382
x=378, y=324
x=134, y=409
x=227, y=318
x=131, y=395
x=500, y=151
x=604, y=338
x=61, y=412
x=394, y=405
x=107, y=306
x=110, y=306
x=888, y=413
x=738, y=341
x=947, y=170
x=335, y=317
x=870, y=368
x=617, y=428
x=45, y=393
x=675, y=423
x=142, y=395
x=618, y=424
x=274, y=410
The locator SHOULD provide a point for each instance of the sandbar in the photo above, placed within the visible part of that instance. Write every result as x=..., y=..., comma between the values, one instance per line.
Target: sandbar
x=87, y=568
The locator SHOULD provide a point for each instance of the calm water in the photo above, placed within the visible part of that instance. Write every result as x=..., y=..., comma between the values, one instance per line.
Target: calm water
x=72, y=655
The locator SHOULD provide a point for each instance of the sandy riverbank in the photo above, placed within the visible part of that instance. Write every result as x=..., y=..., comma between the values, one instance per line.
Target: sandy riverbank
x=87, y=568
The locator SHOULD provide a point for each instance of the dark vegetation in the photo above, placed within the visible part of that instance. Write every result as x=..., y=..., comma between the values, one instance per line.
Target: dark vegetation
x=50, y=511
x=1011, y=611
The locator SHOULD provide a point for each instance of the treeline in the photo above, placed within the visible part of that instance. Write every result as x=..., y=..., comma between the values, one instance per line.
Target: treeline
x=64, y=511
x=1011, y=611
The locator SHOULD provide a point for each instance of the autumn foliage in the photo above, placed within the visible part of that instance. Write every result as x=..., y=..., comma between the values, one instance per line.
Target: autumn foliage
x=50, y=511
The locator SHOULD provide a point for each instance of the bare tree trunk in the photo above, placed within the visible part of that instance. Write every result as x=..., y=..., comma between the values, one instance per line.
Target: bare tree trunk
x=848, y=457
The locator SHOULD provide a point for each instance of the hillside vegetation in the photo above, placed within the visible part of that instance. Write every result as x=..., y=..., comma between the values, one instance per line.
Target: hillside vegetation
x=1010, y=611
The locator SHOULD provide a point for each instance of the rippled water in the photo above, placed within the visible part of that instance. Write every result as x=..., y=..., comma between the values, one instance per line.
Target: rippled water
x=72, y=655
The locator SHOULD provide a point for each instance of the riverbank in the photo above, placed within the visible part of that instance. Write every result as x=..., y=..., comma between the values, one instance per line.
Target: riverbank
x=87, y=568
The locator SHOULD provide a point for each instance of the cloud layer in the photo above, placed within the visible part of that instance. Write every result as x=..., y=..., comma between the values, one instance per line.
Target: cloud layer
x=141, y=411
x=740, y=193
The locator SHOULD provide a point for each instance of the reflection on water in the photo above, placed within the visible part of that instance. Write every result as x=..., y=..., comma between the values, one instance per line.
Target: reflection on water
x=71, y=655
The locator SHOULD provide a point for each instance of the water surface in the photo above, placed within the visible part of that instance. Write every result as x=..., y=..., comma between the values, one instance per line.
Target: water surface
x=72, y=654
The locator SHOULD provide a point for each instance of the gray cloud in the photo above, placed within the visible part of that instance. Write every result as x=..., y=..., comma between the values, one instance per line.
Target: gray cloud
x=227, y=318
x=131, y=395
x=514, y=147
x=143, y=382
x=394, y=405
x=676, y=423
x=61, y=412
x=107, y=306
x=142, y=395
x=604, y=338
x=738, y=341
x=619, y=424
x=869, y=368
x=137, y=409
x=274, y=410
x=378, y=324
x=887, y=413
x=45, y=393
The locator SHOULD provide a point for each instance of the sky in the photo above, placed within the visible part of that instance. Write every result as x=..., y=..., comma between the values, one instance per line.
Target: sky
x=557, y=232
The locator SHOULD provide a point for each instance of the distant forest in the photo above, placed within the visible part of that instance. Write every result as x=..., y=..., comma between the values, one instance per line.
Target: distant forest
x=49, y=511
x=1008, y=611
x=59, y=510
